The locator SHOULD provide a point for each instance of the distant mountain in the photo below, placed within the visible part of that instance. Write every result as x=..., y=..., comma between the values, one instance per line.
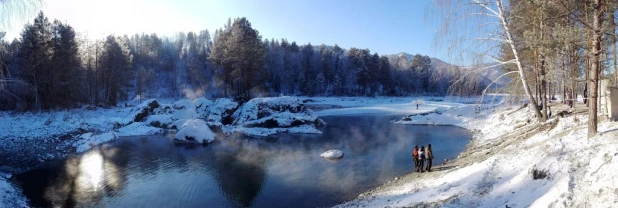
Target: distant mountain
x=484, y=72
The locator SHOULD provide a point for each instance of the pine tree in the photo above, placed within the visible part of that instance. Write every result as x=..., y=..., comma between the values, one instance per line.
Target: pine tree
x=66, y=65
x=35, y=56
x=116, y=64
x=239, y=51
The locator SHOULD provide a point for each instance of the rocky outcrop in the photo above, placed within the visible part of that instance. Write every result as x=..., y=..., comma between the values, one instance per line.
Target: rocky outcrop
x=279, y=112
x=141, y=112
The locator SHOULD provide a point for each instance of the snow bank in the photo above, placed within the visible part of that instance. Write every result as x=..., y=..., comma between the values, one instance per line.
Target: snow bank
x=138, y=129
x=455, y=116
x=263, y=132
x=88, y=140
x=377, y=105
x=194, y=130
x=332, y=154
x=9, y=196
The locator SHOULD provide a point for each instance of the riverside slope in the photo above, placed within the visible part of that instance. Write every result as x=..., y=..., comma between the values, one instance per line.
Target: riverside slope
x=512, y=161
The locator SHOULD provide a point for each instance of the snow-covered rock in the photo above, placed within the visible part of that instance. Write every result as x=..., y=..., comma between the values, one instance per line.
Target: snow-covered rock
x=183, y=109
x=202, y=104
x=141, y=111
x=194, y=130
x=88, y=140
x=160, y=121
x=278, y=112
x=138, y=129
x=332, y=154
x=220, y=111
x=215, y=113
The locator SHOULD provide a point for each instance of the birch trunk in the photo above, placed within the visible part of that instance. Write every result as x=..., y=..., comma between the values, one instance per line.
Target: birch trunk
x=533, y=104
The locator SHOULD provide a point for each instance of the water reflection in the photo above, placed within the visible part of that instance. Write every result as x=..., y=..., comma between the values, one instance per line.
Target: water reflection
x=80, y=180
x=281, y=171
x=240, y=175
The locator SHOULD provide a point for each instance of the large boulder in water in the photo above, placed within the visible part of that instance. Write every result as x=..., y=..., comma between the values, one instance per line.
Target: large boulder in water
x=332, y=154
x=277, y=112
x=194, y=131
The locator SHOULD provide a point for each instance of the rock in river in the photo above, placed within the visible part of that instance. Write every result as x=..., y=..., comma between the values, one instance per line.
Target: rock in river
x=332, y=154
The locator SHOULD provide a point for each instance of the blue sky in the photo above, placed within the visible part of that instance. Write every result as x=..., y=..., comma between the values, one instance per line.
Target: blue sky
x=385, y=27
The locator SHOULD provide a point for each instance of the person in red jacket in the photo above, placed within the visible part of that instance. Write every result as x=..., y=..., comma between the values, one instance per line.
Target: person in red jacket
x=415, y=157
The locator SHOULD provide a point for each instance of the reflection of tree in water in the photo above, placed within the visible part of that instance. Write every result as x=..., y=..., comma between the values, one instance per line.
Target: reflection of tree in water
x=240, y=173
x=84, y=180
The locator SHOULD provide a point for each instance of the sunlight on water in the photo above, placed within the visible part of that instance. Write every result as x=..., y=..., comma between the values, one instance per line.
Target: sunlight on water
x=91, y=169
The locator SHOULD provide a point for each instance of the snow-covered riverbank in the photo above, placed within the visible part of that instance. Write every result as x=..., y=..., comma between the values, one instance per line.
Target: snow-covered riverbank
x=512, y=162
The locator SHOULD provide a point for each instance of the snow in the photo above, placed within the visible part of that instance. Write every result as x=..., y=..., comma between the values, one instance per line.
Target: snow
x=141, y=111
x=138, y=129
x=9, y=196
x=37, y=126
x=379, y=105
x=162, y=121
x=267, y=116
x=89, y=140
x=195, y=129
x=332, y=154
x=222, y=107
x=263, y=132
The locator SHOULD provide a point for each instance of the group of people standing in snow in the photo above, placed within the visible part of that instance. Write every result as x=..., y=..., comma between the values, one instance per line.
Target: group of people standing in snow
x=420, y=156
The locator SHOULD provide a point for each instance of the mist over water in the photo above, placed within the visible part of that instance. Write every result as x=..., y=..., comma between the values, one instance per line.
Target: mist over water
x=280, y=171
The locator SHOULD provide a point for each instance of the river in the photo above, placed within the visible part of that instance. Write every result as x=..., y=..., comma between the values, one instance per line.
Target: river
x=237, y=171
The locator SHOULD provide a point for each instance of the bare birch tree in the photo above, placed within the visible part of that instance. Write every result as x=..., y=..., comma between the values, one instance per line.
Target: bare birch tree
x=11, y=10
x=478, y=28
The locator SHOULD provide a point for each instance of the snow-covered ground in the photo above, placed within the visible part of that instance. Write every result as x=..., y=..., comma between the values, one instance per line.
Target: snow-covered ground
x=383, y=105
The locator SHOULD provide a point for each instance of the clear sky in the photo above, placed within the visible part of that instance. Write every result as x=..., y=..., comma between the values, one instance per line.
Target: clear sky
x=385, y=27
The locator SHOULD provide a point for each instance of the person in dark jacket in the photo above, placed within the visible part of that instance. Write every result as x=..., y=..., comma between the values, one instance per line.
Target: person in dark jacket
x=415, y=157
x=429, y=156
x=421, y=158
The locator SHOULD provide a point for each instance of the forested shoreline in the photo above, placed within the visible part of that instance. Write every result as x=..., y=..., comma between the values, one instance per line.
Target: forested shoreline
x=51, y=66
